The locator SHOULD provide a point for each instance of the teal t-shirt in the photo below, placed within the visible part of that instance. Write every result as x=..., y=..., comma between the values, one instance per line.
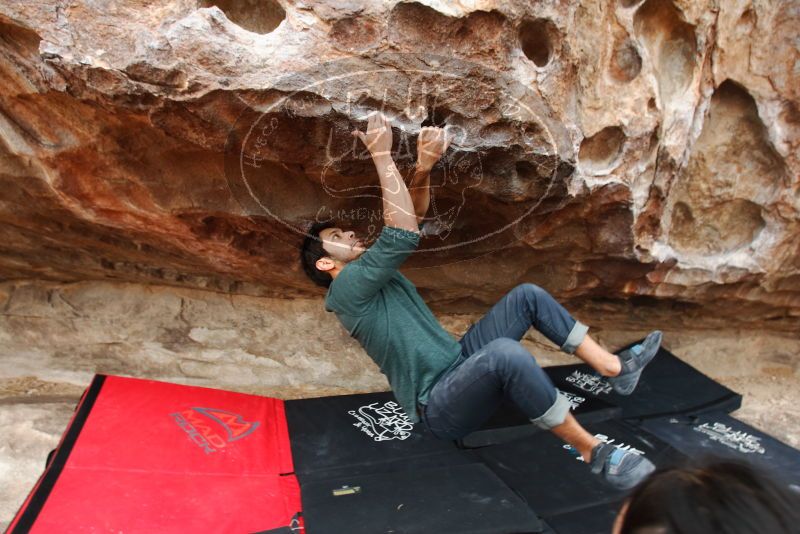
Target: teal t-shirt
x=382, y=310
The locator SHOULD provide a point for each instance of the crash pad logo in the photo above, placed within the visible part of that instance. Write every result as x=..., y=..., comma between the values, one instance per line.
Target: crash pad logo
x=383, y=423
x=574, y=400
x=735, y=439
x=213, y=429
x=589, y=383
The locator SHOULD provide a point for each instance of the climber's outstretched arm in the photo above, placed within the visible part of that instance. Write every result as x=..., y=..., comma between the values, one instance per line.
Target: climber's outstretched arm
x=398, y=208
x=432, y=143
x=420, y=191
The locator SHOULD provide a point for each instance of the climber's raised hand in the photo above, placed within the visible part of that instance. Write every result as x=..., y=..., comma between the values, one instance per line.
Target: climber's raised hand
x=432, y=143
x=378, y=137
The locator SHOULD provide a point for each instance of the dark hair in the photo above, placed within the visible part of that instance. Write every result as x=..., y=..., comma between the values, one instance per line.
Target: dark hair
x=312, y=251
x=720, y=496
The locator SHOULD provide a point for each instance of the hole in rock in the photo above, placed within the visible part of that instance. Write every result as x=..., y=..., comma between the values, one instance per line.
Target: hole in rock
x=480, y=33
x=542, y=180
x=717, y=229
x=537, y=38
x=790, y=113
x=733, y=169
x=600, y=151
x=626, y=62
x=258, y=16
x=355, y=32
x=748, y=20
x=652, y=143
x=671, y=44
x=21, y=40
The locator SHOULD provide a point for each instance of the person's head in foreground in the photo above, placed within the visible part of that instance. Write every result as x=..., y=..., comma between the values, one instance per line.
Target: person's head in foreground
x=721, y=497
x=326, y=250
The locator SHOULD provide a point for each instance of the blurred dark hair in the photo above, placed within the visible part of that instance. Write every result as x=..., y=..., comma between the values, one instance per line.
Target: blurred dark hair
x=718, y=496
x=312, y=251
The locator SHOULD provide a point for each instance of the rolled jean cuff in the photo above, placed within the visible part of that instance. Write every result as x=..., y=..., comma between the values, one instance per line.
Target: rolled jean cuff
x=555, y=415
x=575, y=337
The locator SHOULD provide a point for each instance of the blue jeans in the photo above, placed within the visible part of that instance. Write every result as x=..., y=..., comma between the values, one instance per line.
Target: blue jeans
x=494, y=365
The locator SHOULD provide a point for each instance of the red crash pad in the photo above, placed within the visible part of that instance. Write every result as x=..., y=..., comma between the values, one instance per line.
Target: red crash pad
x=147, y=456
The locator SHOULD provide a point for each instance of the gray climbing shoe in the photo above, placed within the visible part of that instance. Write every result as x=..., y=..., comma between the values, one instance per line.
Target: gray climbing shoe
x=633, y=361
x=621, y=469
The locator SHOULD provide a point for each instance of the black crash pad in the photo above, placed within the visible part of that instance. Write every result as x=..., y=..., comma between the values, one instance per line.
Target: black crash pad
x=467, y=499
x=721, y=435
x=667, y=386
x=360, y=434
x=509, y=423
x=553, y=480
x=597, y=519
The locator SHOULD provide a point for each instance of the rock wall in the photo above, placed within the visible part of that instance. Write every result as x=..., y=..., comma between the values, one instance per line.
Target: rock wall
x=629, y=151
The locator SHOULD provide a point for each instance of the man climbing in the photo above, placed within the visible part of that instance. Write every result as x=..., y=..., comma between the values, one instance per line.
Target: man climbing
x=455, y=386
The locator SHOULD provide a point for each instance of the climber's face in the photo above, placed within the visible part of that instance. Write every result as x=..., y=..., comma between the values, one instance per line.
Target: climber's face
x=343, y=247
